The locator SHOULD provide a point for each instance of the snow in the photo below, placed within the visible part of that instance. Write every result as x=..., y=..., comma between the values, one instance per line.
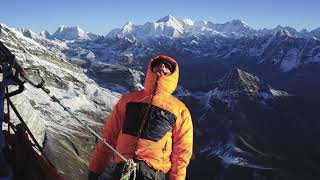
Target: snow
x=230, y=154
x=168, y=26
x=177, y=28
x=283, y=33
x=45, y=34
x=188, y=22
x=226, y=152
x=70, y=33
x=24, y=40
x=126, y=30
x=278, y=93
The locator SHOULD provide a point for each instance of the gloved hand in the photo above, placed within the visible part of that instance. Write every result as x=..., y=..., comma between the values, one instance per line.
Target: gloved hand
x=93, y=176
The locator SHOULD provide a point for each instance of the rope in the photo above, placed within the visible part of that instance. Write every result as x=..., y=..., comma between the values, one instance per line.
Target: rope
x=8, y=110
x=130, y=165
x=26, y=127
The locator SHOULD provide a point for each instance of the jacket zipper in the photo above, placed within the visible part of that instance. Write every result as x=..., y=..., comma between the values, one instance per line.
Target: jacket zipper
x=145, y=117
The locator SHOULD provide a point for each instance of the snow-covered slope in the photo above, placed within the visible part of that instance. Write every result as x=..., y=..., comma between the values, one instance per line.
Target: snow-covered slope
x=288, y=52
x=66, y=143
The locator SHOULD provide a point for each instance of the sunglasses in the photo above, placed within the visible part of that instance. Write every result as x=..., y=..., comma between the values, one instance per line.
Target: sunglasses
x=167, y=64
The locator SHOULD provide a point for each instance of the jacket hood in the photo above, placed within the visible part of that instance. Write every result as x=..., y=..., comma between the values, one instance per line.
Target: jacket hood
x=165, y=84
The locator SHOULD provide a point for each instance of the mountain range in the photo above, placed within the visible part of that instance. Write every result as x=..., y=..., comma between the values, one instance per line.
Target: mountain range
x=282, y=51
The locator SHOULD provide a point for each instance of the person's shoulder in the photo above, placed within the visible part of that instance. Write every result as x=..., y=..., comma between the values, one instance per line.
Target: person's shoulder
x=178, y=103
x=180, y=108
x=127, y=97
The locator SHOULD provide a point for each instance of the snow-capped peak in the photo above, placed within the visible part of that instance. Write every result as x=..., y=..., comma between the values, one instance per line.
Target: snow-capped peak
x=70, y=33
x=238, y=22
x=128, y=27
x=234, y=28
x=283, y=33
x=168, y=26
x=26, y=32
x=2, y=25
x=45, y=34
x=188, y=22
x=166, y=19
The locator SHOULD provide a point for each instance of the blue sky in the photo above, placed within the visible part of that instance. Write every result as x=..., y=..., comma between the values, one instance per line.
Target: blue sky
x=100, y=16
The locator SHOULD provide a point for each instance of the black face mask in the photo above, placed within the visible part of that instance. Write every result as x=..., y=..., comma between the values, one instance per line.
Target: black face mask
x=167, y=64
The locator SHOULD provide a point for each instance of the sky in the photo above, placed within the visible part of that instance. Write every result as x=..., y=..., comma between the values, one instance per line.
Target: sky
x=100, y=16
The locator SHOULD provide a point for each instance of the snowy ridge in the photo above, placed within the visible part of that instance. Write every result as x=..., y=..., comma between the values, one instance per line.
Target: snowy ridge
x=177, y=28
x=173, y=27
x=72, y=33
x=288, y=52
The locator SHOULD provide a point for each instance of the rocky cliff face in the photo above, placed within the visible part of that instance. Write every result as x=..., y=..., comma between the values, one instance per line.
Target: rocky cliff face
x=116, y=77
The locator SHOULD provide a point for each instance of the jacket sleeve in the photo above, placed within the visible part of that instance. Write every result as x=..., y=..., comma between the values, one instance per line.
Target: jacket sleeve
x=182, y=146
x=102, y=154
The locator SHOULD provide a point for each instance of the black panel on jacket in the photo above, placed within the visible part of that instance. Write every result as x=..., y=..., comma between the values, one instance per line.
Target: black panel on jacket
x=158, y=121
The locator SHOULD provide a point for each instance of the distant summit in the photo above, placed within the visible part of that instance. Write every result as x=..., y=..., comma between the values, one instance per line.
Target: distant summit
x=166, y=19
x=241, y=83
x=72, y=33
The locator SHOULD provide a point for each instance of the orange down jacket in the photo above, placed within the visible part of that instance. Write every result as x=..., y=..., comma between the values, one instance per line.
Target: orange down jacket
x=166, y=139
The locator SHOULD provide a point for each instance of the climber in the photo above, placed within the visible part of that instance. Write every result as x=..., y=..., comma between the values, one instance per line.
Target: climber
x=151, y=126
